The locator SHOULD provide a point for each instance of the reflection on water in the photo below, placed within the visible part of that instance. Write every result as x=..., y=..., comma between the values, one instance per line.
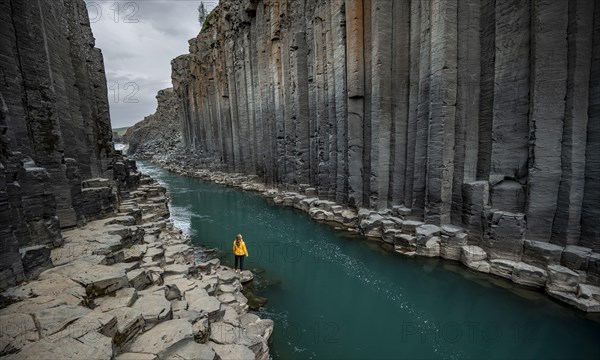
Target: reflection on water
x=336, y=296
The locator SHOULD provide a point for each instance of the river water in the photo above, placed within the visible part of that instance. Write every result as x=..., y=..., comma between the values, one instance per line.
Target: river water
x=337, y=296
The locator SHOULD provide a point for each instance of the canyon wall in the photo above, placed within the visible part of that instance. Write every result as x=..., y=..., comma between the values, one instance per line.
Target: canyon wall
x=55, y=133
x=478, y=113
x=158, y=133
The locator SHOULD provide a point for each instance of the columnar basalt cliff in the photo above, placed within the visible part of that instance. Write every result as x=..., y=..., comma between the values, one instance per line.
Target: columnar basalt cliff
x=158, y=133
x=442, y=107
x=479, y=116
x=58, y=166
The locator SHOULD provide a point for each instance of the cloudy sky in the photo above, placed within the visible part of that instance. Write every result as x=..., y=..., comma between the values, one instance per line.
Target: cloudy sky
x=139, y=39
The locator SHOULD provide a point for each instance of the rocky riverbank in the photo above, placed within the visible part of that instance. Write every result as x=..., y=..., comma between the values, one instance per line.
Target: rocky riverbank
x=128, y=287
x=570, y=274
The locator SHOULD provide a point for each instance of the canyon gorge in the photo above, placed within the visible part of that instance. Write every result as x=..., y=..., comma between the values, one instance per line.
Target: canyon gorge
x=477, y=117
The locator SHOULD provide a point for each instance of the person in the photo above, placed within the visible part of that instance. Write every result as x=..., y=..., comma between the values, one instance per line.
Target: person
x=240, y=251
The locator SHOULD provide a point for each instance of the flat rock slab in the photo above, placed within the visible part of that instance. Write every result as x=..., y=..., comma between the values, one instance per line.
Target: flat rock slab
x=191, y=350
x=135, y=252
x=246, y=276
x=227, y=276
x=99, y=279
x=176, y=269
x=163, y=339
x=16, y=331
x=232, y=351
x=226, y=298
x=93, y=322
x=58, y=284
x=121, y=298
x=155, y=308
x=89, y=347
x=208, y=305
x=136, y=356
x=50, y=321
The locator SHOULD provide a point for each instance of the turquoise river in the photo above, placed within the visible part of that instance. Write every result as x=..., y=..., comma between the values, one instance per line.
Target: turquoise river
x=337, y=296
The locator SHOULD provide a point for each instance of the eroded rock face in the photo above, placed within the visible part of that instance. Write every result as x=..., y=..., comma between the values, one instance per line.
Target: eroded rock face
x=55, y=132
x=450, y=111
x=158, y=133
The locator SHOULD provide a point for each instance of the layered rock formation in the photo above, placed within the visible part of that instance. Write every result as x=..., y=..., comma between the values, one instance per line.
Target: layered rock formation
x=482, y=114
x=129, y=287
x=58, y=166
x=158, y=133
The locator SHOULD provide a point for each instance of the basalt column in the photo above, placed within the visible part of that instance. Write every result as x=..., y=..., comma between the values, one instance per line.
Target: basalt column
x=478, y=114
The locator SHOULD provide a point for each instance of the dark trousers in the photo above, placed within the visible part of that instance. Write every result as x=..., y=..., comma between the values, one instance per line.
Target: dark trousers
x=239, y=258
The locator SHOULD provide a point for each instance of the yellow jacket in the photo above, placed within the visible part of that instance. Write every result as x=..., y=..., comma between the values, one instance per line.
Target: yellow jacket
x=240, y=249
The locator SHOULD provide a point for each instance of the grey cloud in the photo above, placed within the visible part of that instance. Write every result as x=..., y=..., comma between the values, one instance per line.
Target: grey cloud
x=139, y=39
